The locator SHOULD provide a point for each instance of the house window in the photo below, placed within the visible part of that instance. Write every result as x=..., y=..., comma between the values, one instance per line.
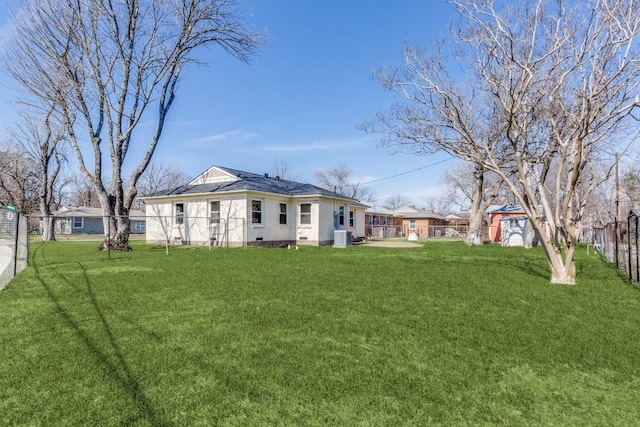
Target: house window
x=341, y=215
x=305, y=213
x=214, y=212
x=78, y=222
x=412, y=223
x=179, y=213
x=351, y=218
x=138, y=226
x=256, y=211
x=283, y=214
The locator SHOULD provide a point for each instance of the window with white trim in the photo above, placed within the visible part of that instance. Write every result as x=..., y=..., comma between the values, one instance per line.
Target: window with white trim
x=305, y=213
x=412, y=223
x=78, y=222
x=283, y=214
x=179, y=210
x=341, y=215
x=256, y=211
x=138, y=226
x=214, y=212
x=351, y=218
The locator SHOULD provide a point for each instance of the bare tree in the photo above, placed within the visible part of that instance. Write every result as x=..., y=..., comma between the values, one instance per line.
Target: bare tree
x=396, y=201
x=474, y=189
x=437, y=205
x=339, y=179
x=19, y=180
x=41, y=140
x=546, y=85
x=109, y=64
x=629, y=183
x=160, y=176
x=285, y=170
x=82, y=192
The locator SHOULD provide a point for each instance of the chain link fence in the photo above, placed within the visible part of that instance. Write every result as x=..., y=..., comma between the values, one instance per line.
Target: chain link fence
x=14, y=244
x=619, y=242
x=437, y=231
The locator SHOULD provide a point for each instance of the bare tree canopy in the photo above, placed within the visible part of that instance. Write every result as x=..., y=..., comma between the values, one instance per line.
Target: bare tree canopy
x=108, y=65
x=160, y=176
x=41, y=140
x=396, y=201
x=285, y=170
x=19, y=180
x=473, y=188
x=339, y=178
x=539, y=89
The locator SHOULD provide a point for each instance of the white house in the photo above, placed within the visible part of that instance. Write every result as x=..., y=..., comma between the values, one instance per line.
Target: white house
x=228, y=207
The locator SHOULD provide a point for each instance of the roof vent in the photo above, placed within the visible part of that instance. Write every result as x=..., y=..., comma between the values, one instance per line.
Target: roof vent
x=266, y=175
x=278, y=177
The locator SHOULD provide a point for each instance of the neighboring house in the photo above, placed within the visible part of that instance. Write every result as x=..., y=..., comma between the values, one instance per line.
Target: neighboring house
x=381, y=222
x=507, y=224
x=229, y=207
x=421, y=222
x=85, y=220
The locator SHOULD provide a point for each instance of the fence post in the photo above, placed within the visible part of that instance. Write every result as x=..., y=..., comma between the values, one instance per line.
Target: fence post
x=630, y=271
x=636, y=246
x=615, y=232
x=15, y=246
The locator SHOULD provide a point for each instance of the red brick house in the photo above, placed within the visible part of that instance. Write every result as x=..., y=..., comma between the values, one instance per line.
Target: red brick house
x=421, y=222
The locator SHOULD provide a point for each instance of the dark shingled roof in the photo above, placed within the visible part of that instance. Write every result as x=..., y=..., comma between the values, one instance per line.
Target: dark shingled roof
x=252, y=182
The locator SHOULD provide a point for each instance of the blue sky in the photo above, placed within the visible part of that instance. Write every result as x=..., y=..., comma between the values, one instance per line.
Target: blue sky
x=302, y=97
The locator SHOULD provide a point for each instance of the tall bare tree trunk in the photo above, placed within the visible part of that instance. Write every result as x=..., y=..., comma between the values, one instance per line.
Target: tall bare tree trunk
x=48, y=222
x=474, y=236
x=105, y=64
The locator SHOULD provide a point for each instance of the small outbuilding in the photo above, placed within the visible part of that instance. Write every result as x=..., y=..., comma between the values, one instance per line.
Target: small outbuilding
x=510, y=217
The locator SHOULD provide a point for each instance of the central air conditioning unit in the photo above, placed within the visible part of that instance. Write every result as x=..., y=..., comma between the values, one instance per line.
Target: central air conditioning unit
x=341, y=238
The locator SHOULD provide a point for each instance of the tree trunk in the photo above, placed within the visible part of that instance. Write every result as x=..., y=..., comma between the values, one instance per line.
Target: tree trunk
x=118, y=238
x=117, y=227
x=474, y=236
x=121, y=239
x=529, y=236
x=563, y=271
x=48, y=222
x=48, y=225
x=564, y=276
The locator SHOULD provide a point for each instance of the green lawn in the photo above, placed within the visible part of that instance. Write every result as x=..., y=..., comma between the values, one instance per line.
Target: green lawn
x=442, y=334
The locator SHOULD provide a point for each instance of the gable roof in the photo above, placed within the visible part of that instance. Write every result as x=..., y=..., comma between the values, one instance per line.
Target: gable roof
x=379, y=210
x=420, y=214
x=504, y=209
x=218, y=179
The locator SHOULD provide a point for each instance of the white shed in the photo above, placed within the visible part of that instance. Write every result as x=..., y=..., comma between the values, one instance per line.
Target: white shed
x=514, y=229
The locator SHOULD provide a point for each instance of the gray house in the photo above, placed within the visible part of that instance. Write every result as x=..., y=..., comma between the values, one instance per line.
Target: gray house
x=86, y=220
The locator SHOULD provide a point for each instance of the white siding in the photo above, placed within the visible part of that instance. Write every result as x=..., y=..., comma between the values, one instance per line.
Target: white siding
x=270, y=230
x=235, y=227
x=307, y=233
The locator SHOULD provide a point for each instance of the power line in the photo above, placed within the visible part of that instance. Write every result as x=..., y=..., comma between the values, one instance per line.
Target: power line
x=407, y=172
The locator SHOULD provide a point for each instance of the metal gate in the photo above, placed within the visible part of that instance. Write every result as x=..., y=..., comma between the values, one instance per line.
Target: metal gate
x=14, y=241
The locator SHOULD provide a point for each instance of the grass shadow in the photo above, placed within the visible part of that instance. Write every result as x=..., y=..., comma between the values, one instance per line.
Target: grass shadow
x=120, y=372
